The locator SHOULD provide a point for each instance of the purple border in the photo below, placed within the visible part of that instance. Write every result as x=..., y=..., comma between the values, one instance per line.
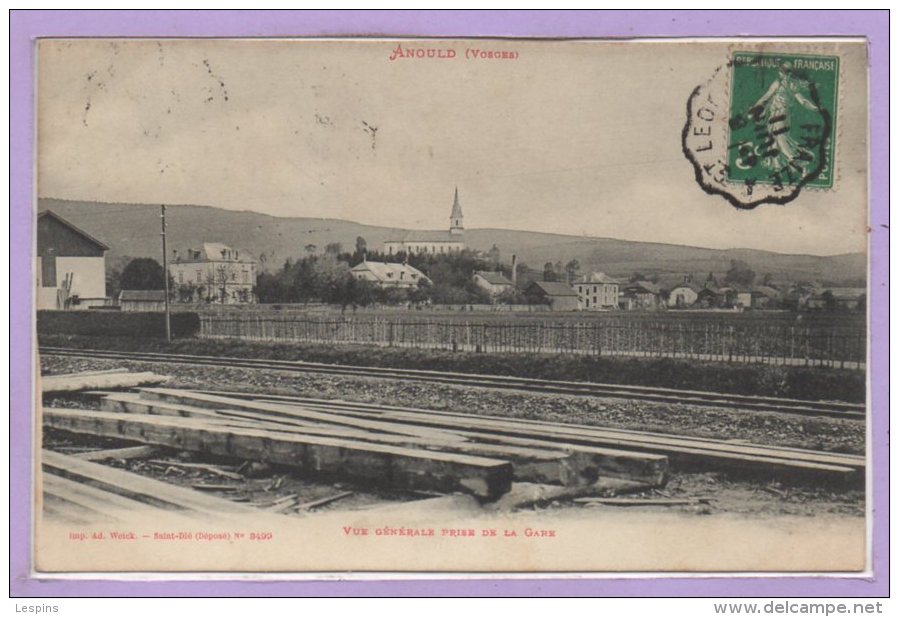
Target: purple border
x=27, y=25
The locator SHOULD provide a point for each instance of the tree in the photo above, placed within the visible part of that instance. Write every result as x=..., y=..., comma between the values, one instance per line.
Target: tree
x=549, y=273
x=739, y=274
x=333, y=248
x=571, y=269
x=361, y=247
x=114, y=276
x=143, y=273
x=310, y=249
x=494, y=255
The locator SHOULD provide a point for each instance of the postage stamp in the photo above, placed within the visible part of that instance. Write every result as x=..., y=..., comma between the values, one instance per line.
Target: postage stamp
x=763, y=127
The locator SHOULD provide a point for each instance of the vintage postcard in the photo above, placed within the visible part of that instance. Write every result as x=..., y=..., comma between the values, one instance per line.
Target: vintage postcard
x=452, y=306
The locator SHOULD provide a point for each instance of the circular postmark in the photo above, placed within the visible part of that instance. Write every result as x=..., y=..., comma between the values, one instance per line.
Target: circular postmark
x=761, y=128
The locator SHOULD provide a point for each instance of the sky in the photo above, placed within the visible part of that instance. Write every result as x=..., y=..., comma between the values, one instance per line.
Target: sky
x=580, y=138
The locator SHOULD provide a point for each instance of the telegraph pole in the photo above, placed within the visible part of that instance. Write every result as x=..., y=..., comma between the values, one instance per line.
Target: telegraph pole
x=165, y=278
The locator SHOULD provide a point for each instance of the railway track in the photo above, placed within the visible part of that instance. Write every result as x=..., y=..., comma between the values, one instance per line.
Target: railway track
x=544, y=386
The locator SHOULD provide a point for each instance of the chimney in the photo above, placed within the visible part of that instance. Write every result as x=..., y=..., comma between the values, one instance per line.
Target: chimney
x=514, y=271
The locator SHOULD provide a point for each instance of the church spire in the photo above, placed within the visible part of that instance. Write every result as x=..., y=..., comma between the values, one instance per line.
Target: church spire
x=456, y=216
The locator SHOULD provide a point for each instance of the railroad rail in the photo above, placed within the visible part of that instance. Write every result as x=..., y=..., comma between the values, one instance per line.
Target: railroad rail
x=543, y=386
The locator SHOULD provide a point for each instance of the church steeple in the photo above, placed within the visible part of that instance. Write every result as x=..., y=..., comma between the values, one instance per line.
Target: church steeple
x=456, y=227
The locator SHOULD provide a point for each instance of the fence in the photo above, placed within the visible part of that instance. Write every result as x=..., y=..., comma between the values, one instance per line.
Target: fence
x=744, y=343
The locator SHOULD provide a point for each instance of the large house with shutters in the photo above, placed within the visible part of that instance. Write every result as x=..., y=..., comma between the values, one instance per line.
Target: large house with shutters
x=214, y=273
x=431, y=241
x=597, y=291
x=71, y=265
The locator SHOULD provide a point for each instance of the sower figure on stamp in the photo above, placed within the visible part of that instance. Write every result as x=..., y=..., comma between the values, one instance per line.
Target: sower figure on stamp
x=773, y=108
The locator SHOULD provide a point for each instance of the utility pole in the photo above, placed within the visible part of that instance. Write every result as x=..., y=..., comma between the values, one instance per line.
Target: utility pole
x=165, y=278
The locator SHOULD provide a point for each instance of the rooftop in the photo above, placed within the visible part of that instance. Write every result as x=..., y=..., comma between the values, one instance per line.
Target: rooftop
x=426, y=235
x=386, y=271
x=597, y=277
x=551, y=288
x=494, y=278
x=142, y=295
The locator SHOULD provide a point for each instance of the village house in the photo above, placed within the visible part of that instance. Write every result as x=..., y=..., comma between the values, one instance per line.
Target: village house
x=71, y=265
x=640, y=295
x=765, y=297
x=389, y=275
x=683, y=296
x=557, y=296
x=431, y=241
x=716, y=297
x=215, y=273
x=837, y=298
x=597, y=292
x=142, y=300
x=494, y=283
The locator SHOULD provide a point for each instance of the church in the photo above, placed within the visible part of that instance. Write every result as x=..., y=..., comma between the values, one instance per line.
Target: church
x=433, y=242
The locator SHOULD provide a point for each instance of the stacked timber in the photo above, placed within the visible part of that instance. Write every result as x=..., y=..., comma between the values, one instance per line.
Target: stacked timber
x=75, y=488
x=689, y=451
x=336, y=442
x=98, y=380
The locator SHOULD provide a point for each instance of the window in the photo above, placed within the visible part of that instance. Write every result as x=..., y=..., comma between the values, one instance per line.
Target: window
x=48, y=271
x=199, y=276
x=181, y=276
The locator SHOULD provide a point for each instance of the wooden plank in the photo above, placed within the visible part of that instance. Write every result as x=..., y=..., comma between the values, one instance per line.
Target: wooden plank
x=89, y=497
x=525, y=494
x=197, y=399
x=317, y=503
x=213, y=469
x=630, y=502
x=118, y=453
x=77, y=383
x=139, y=488
x=384, y=412
x=692, y=449
x=396, y=466
x=533, y=461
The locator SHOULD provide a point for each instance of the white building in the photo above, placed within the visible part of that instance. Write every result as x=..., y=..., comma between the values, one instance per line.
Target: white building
x=389, y=275
x=71, y=265
x=494, y=283
x=597, y=292
x=216, y=273
x=432, y=242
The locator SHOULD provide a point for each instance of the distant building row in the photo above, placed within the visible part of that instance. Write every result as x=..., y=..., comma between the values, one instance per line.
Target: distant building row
x=71, y=273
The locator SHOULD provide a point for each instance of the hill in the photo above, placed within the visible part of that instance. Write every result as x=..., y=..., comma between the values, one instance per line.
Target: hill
x=133, y=230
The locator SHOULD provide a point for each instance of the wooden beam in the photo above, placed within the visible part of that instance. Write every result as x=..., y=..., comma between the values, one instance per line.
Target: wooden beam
x=138, y=488
x=533, y=460
x=688, y=449
x=317, y=503
x=89, y=497
x=371, y=462
x=274, y=410
x=118, y=453
x=77, y=383
x=386, y=412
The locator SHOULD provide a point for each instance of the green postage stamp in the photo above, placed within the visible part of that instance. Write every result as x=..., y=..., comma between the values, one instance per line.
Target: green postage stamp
x=764, y=127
